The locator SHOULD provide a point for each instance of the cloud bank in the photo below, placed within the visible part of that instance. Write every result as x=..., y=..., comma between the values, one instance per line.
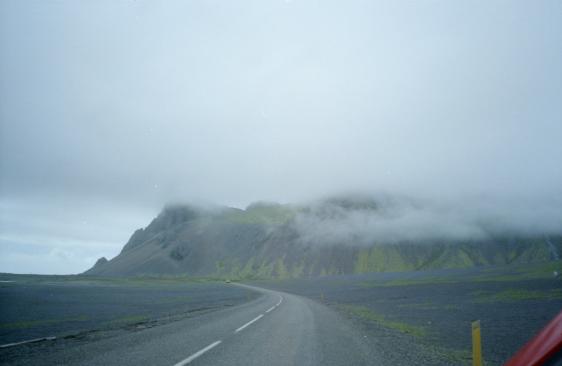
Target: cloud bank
x=394, y=219
x=140, y=103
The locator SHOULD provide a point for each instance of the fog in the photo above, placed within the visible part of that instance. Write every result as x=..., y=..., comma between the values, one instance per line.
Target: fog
x=380, y=218
x=109, y=110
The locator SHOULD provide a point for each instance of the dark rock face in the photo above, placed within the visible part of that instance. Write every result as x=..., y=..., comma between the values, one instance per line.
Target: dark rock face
x=170, y=218
x=270, y=240
x=99, y=263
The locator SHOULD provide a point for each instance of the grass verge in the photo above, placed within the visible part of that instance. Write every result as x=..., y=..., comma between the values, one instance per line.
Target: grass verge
x=367, y=314
x=514, y=295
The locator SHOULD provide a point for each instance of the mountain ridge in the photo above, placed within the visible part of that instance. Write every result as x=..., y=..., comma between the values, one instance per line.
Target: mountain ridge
x=333, y=236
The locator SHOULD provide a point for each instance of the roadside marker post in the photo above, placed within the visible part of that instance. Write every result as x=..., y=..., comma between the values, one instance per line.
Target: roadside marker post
x=476, y=344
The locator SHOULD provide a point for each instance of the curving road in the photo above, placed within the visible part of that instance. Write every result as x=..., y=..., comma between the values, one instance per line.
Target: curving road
x=275, y=329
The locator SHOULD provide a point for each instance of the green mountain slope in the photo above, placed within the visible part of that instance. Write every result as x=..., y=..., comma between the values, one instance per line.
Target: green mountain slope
x=280, y=241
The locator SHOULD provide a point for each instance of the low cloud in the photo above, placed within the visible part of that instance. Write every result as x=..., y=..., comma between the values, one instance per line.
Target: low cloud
x=141, y=103
x=386, y=219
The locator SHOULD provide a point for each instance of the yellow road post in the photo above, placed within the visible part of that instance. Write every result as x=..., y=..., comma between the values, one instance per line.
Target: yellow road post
x=476, y=344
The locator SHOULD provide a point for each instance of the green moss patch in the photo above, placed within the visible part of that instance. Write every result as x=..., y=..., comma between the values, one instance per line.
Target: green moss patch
x=367, y=314
x=517, y=295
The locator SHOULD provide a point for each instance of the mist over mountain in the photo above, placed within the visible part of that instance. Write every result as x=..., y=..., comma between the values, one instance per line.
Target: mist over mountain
x=110, y=109
x=335, y=235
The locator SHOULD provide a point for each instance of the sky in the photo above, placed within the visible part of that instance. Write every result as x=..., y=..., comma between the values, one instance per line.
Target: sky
x=111, y=109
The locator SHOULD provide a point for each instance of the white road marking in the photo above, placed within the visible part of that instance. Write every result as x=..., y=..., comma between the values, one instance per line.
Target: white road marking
x=28, y=341
x=248, y=323
x=198, y=353
x=213, y=345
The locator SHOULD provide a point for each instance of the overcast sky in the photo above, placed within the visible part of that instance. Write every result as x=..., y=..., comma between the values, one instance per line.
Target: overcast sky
x=110, y=109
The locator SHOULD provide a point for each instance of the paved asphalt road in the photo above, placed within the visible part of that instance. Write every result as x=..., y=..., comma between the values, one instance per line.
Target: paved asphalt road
x=275, y=329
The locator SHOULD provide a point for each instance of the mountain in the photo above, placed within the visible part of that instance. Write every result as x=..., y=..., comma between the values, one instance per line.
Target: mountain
x=340, y=235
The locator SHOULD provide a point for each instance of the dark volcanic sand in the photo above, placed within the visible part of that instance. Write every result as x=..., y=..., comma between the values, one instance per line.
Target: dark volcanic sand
x=511, y=310
x=37, y=306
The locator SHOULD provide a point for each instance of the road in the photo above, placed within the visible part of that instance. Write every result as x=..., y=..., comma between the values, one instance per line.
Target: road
x=275, y=329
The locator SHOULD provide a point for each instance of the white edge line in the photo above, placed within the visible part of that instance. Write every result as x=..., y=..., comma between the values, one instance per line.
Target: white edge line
x=28, y=341
x=248, y=323
x=270, y=309
x=280, y=300
x=198, y=353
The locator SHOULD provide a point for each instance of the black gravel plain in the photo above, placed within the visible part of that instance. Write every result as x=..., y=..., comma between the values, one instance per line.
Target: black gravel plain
x=425, y=317
x=72, y=306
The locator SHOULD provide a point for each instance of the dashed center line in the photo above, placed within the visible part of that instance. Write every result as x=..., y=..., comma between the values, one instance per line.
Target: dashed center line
x=248, y=323
x=198, y=353
x=214, y=344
